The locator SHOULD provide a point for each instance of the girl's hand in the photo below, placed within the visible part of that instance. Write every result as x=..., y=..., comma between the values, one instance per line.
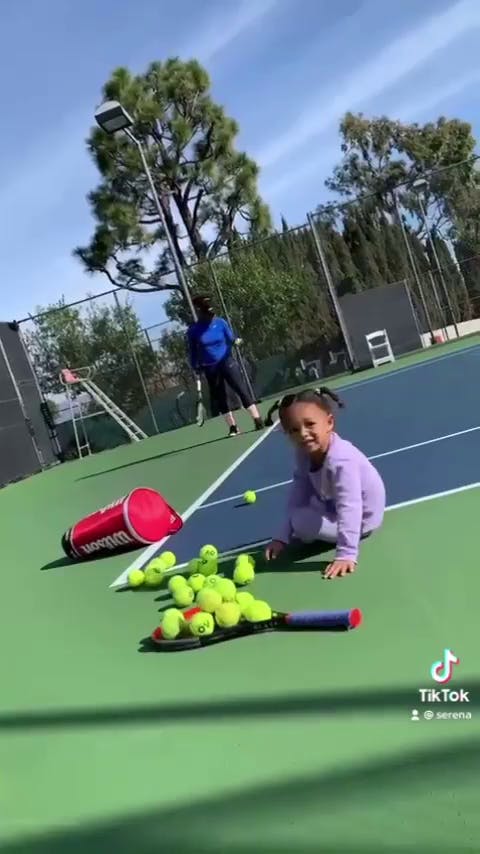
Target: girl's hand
x=274, y=549
x=340, y=568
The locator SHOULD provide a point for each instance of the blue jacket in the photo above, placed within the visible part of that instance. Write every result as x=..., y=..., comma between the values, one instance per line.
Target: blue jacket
x=209, y=343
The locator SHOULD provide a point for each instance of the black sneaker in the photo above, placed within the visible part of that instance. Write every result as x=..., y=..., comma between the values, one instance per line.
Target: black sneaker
x=234, y=431
x=259, y=424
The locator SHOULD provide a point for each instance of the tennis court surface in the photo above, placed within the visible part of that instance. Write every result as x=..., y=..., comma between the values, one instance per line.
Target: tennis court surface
x=276, y=743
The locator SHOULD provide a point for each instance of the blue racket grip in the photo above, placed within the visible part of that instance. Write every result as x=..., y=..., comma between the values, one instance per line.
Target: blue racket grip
x=325, y=619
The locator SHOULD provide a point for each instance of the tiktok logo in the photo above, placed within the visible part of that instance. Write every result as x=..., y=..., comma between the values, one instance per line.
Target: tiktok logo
x=442, y=671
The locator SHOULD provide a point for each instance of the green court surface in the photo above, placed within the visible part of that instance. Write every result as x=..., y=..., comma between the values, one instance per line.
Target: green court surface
x=276, y=743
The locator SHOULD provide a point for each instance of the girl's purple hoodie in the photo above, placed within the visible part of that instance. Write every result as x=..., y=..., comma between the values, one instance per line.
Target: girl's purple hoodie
x=347, y=488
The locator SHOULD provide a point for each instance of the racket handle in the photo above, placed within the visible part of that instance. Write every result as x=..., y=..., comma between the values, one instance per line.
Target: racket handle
x=325, y=619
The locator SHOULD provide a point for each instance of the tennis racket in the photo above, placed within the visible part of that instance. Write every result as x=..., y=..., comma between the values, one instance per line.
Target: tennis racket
x=279, y=621
x=200, y=411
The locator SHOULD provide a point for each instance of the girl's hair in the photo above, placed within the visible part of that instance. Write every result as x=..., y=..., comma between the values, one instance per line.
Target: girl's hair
x=321, y=397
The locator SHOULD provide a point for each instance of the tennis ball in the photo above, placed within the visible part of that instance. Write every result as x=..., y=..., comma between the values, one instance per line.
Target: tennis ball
x=228, y=614
x=169, y=559
x=227, y=590
x=183, y=595
x=136, y=578
x=243, y=574
x=192, y=566
x=202, y=624
x=158, y=564
x=258, y=611
x=207, y=566
x=249, y=497
x=176, y=582
x=172, y=624
x=244, y=600
x=245, y=559
x=208, y=600
x=212, y=581
x=153, y=577
x=196, y=581
x=208, y=553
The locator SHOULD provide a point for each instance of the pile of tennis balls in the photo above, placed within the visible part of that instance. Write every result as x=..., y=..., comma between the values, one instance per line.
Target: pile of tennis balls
x=221, y=603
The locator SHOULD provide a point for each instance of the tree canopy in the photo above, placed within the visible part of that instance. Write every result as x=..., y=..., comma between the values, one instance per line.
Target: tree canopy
x=207, y=189
x=98, y=337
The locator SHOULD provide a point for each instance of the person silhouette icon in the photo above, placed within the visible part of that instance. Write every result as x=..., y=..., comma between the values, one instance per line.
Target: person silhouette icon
x=414, y=716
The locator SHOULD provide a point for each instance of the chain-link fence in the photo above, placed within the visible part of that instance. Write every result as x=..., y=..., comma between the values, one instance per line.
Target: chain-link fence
x=296, y=300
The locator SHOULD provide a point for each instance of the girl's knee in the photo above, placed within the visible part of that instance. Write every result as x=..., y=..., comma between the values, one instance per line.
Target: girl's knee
x=304, y=524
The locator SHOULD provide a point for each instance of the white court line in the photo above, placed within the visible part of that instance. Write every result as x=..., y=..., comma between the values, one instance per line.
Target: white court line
x=427, y=363
x=412, y=501
x=152, y=550
x=375, y=457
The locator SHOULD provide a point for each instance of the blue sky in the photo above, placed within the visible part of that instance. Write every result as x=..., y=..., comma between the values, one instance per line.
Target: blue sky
x=286, y=70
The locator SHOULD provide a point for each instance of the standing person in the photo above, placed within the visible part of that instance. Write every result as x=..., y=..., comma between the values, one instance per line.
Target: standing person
x=337, y=494
x=210, y=343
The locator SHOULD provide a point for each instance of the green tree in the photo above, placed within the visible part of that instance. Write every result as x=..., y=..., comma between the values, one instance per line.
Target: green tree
x=207, y=188
x=362, y=252
x=273, y=308
x=66, y=337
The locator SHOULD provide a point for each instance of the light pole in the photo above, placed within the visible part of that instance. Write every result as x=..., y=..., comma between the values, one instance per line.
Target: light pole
x=112, y=117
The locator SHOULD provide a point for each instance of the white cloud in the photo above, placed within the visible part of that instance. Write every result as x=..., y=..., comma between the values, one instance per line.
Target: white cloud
x=319, y=166
x=219, y=35
x=395, y=61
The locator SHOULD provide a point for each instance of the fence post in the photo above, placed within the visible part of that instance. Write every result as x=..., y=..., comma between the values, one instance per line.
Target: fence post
x=437, y=262
x=412, y=264
x=136, y=362
x=333, y=294
x=227, y=318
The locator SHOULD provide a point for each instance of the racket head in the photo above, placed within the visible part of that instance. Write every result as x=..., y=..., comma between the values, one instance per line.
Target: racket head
x=200, y=408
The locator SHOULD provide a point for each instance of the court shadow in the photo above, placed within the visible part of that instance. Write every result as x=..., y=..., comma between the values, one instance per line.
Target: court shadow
x=59, y=563
x=265, y=816
x=302, y=558
x=151, y=458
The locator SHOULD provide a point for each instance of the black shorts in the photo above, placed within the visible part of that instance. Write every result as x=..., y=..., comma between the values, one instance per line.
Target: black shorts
x=223, y=374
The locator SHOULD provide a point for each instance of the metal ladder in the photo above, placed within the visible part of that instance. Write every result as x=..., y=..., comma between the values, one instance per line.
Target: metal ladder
x=82, y=377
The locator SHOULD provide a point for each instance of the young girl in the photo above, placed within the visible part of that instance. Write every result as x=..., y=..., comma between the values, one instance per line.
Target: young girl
x=337, y=495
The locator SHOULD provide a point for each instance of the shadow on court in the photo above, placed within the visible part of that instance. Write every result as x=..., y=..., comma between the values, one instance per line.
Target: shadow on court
x=338, y=703
x=171, y=453
x=396, y=795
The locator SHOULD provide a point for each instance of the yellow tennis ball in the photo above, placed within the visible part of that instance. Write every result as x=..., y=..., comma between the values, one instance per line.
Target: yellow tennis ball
x=212, y=581
x=208, y=600
x=244, y=600
x=183, y=595
x=243, y=574
x=192, y=566
x=228, y=614
x=208, y=553
x=207, y=566
x=227, y=590
x=169, y=559
x=249, y=496
x=172, y=623
x=196, y=581
x=136, y=578
x=153, y=577
x=158, y=564
x=258, y=611
x=176, y=582
x=202, y=624
x=245, y=559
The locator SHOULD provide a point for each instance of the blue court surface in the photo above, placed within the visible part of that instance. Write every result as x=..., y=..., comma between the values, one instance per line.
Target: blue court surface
x=419, y=424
